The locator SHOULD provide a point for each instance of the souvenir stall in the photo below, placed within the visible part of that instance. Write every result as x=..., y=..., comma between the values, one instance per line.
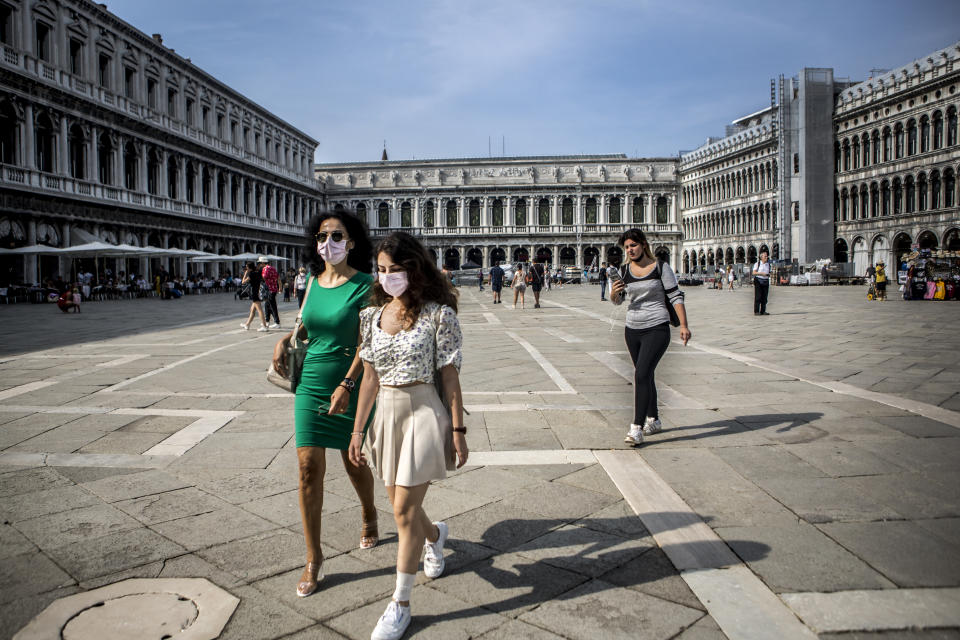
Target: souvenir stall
x=932, y=274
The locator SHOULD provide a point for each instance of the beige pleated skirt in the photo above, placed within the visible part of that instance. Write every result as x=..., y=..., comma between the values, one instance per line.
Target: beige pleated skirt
x=410, y=441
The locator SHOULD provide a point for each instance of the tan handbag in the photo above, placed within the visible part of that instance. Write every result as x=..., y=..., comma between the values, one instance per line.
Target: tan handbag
x=296, y=354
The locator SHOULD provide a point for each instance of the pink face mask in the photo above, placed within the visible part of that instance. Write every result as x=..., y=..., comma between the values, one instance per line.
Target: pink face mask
x=393, y=283
x=332, y=252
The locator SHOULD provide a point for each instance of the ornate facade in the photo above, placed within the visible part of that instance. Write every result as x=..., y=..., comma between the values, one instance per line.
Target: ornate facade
x=729, y=195
x=566, y=210
x=896, y=159
x=105, y=129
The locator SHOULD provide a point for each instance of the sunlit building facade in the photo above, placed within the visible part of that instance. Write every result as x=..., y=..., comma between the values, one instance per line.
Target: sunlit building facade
x=562, y=210
x=107, y=133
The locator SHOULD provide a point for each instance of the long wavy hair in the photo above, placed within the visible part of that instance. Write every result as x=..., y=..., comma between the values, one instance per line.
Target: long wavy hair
x=426, y=283
x=638, y=236
x=360, y=257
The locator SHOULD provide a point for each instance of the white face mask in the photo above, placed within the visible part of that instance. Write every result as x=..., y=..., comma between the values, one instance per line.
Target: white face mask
x=393, y=283
x=332, y=252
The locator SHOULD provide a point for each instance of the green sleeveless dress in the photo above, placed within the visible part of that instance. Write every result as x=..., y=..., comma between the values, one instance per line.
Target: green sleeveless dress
x=332, y=321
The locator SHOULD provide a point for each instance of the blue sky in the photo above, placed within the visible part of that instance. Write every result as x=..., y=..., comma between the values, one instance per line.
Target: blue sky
x=438, y=79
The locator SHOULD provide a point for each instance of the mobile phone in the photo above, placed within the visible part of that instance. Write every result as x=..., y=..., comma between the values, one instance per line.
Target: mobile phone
x=613, y=274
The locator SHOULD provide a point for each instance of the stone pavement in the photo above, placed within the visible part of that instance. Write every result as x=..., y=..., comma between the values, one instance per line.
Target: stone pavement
x=805, y=484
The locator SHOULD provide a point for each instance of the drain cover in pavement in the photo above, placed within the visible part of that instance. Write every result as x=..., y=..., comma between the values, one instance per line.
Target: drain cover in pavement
x=157, y=609
x=148, y=616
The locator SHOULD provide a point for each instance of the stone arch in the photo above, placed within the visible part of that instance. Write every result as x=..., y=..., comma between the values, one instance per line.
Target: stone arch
x=498, y=254
x=859, y=257
x=880, y=249
x=951, y=239
x=927, y=240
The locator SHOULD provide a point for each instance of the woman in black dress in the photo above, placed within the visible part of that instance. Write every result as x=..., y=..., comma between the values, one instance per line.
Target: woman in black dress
x=253, y=277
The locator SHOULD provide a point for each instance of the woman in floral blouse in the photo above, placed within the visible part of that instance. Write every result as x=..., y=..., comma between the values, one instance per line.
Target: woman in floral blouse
x=408, y=337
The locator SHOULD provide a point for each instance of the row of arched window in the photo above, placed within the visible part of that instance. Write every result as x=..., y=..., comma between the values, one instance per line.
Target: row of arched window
x=929, y=132
x=706, y=260
x=141, y=79
x=447, y=214
x=117, y=160
x=752, y=219
x=902, y=194
x=753, y=179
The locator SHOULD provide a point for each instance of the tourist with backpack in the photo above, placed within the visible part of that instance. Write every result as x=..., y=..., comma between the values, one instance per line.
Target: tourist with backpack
x=761, y=284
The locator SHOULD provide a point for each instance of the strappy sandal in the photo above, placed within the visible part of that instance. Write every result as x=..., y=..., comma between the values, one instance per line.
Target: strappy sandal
x=369, y=535
x=310, y=579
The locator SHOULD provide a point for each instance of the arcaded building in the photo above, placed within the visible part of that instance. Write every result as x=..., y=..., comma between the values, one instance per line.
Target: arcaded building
x=729, y=196
x=563, y=210
x=104, y=129
x=896, y=159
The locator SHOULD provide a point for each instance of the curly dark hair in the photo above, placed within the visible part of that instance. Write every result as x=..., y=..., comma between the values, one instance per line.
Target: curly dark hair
x=360, y=257
x=426, y=282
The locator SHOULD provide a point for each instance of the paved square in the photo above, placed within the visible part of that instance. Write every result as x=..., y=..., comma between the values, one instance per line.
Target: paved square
x=807, y=457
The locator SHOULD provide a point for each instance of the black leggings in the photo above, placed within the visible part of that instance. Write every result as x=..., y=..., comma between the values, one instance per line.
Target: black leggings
x=646, y=347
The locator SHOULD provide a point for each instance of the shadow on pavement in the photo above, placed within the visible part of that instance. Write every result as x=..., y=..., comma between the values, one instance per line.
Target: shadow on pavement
x=782, y=422
x=596, y=554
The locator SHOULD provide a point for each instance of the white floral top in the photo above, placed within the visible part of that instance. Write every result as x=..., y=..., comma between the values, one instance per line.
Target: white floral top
x=434, y=341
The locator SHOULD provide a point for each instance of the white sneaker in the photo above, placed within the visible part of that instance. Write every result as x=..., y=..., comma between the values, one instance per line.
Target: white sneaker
x=263, y=328
x=274, y=325
x=392, y=623
x=245, y=326
x=635, y=435
x=433, y=562
x=652, y=426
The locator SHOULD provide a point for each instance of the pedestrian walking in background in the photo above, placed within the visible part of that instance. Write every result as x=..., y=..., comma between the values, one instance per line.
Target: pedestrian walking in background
x=537, y=276
x=253, y=278
x=880, y=273
x=409, y=336
x=338, y=253
x=761, y=285
x=519, y=285
x=300, y=284
x=731, y=277
x=480, y=278
x=286, y=283
x=496, y=282
x=271, y=279
x=603, y=281
x=648, y=286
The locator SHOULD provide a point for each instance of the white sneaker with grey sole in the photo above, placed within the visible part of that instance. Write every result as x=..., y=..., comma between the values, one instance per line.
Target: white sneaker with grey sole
x=433, y=562
x=652, y=426
x=635, y=435
x=393, y=623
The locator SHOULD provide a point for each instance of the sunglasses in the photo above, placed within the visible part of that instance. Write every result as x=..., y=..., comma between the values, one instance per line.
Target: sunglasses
x=336, y=236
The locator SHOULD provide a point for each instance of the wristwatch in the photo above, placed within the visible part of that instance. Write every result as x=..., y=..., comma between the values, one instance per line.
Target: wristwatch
x=349, y=383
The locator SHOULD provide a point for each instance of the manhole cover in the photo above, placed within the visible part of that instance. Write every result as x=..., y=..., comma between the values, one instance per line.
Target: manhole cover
x=146, y=616
x=138, y=608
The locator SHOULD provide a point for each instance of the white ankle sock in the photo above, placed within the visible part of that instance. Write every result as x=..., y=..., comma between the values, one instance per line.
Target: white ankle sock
x=405, y=583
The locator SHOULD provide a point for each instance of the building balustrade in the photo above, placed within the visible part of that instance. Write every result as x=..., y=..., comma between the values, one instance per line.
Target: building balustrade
x=33, y=180
x=586, y=230
x=29, y=65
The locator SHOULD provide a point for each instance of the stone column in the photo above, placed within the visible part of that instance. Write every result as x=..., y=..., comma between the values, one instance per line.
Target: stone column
x=143, y=169
x=162, y=185
x=30, y=261
x=29, y=146
x=555, y=210
x=486, y=256
x=182, y=181
x=64, y=148
x=94, y=155
x=118, y=176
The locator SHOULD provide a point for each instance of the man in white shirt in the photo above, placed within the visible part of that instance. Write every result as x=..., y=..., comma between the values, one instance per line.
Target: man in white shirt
x=761, y=285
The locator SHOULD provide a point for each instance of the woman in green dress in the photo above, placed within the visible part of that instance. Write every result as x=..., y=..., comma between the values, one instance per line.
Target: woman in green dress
x=339, y=256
